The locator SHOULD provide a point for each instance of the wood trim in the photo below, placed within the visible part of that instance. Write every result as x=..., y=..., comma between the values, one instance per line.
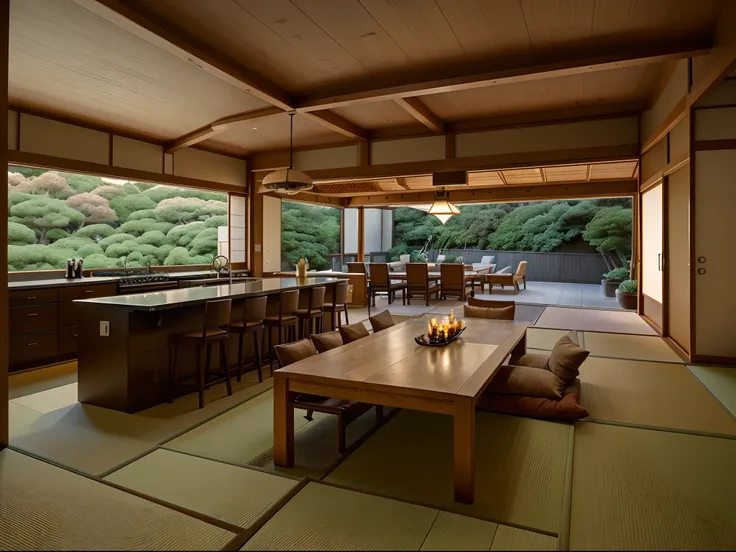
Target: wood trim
x=516, y=70
x=136, y=20
x=651, y=324
x=691, y=227
x=60, y=163
x=415, y=108
x=537, y=192
x=677, y=348
x=255, y=225
x=676, y=115
x=361, y=236
x=364, y=153
x=665, y=250
x=4, y=329
x=663, y=172
x=485, y=162
x=706, y=145
x=401, y=181
x=338, y=124
x=450, y=145
x=309, y=197
x=218, y=126
x=708, y=359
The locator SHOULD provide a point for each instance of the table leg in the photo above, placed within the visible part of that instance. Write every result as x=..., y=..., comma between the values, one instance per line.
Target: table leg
x=518, y=351
x=283, y=423
x=464, y=436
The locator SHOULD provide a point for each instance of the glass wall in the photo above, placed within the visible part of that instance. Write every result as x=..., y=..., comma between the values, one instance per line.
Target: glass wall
x=53, y=216
x=311, y=232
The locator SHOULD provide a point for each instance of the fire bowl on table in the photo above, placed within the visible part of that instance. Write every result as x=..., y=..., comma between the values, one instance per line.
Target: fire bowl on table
x=442, y=333
x=425, y=340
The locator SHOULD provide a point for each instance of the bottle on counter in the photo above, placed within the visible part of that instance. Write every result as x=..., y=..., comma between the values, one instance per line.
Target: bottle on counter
x=78, y=268
x=70, y=268
x=301, y=268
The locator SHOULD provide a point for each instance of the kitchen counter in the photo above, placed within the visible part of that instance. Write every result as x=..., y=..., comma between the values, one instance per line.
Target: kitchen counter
x=55, y=282
x=191, y=296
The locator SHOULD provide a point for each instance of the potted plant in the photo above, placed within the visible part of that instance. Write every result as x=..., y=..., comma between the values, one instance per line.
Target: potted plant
x=626, y=294
x=612, y=279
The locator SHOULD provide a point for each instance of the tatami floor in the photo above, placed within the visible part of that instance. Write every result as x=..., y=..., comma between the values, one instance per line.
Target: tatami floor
x=651, y=468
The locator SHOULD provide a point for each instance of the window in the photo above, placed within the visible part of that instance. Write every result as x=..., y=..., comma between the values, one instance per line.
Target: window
x=311, y=232
x=53, y=216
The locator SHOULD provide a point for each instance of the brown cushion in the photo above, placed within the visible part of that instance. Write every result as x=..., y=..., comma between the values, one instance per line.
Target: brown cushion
x=381, y=321
x=326, y=341
x=293, y=352
x=353, y=332
x=566, y=358
x=504, y=313
x=524, y=380
x=567, y=408
x=535, y=361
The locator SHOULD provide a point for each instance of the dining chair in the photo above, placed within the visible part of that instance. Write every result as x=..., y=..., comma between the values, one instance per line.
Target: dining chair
x=453, y=282
x=381, y=282
x=419, y=282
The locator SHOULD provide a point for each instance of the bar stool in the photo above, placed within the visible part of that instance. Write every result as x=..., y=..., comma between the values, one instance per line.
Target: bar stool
x=339, y=303
x=216, y=315
x=286, y=318
x=254, y=311
x=312, y=315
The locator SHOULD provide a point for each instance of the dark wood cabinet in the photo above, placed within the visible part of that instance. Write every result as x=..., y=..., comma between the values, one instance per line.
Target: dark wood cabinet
x=43, y=322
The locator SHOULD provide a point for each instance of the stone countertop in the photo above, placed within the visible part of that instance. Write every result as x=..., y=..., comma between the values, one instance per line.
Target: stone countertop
x=55, y=282
x=176, y=298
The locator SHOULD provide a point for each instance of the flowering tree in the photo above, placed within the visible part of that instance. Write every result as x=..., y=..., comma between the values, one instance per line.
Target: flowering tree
x=95, y=208
x=49, y=184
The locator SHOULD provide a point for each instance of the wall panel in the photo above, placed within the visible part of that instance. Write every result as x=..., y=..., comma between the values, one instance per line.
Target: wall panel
x=715, y=124
x=48, y=137
x=675, y=89
x=679, y=141
x=407, y=150
x=237, y=238
x=194, y=163
x=654, y=160
x=678, y=257
x=13, y=129
x=328, y=158
x=134, y=154
x=350, y=244
x=563, y=136
x=271, y=234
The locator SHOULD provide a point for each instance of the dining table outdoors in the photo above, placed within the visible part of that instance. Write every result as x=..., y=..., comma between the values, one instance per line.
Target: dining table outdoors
x=389, y=368
x=471, y=276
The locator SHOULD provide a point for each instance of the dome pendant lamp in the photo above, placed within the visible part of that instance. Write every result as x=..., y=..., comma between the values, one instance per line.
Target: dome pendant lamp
x=442, y=208
x=288, y=181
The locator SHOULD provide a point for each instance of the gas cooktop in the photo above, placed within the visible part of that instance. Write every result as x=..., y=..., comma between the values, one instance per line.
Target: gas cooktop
x=143, y=279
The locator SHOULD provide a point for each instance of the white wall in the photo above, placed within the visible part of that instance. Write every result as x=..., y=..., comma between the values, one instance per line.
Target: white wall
x=350, y=239
x=373, y=231
x=271, y=234
x=426, y=148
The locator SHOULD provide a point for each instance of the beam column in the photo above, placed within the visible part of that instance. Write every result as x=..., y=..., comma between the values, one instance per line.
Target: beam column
x=4, y=31
x=361, y=235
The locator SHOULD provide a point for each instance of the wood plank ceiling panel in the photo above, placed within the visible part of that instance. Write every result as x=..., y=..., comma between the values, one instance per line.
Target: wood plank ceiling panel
x=377, y=115
x=485, y=178
x=566, y=173
x=523, y=176
x=608, y=171
x=68, y=61
x=273, y=133
x=624, y=86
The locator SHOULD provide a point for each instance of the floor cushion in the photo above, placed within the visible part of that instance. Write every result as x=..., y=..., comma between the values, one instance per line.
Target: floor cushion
x=326, y=341
x=381, y=321
x=353, y=332
x=567, y=408
x=502, y=313
x=566, y=358
x=528, y=381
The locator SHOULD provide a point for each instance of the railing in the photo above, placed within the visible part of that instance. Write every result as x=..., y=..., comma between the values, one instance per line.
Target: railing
x=577, y=268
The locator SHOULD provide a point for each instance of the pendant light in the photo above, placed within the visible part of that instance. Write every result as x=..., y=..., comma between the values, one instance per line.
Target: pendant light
x=288, y=181
x=442, y=208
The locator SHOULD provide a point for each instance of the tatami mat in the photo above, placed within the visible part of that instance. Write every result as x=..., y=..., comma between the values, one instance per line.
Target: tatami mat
x=519, y=479
x=47, y=508
x=35, y=381
x=96, y=440
x=721, y=381
x=635, y=347
x=636, y=489
x=511, y=538
x=538, y=338
x=320, y=517
x=236, y=495
x=455, y=532
x=650, y=394
x=594, y=320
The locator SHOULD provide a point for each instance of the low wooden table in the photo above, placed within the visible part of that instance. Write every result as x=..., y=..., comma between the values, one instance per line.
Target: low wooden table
x=389, y=368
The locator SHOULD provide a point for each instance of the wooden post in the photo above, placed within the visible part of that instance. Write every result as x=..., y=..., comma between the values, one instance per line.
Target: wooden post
x=256, y=227
x=361, y=237
x=4, y=28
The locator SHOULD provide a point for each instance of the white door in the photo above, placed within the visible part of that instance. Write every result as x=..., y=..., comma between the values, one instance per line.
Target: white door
x=651, y=243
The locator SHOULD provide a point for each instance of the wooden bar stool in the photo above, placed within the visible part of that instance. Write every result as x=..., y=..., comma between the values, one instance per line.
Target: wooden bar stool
x=251, y=322
x=285, y=319
x=312, y=315
x=339, y=304
x=214, y=329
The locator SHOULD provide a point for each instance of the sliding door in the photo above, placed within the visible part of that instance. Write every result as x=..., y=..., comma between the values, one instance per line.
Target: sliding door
x=677, y=297
x=652, y=262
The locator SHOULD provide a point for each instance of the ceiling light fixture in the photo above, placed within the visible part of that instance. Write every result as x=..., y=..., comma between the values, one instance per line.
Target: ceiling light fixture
x=442, y=208
x=116, y=181
x=288, y=181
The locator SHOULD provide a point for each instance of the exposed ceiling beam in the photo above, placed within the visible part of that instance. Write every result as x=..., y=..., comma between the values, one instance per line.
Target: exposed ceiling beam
x=535, y=192
x=132, y=18
x=218, y=126
x=415, y=108
x=401, y=181
x=337, y=124
x=570, y=64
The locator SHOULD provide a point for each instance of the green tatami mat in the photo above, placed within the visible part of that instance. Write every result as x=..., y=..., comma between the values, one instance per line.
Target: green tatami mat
x=594, y=320
x=222, y=491
x=637, y=489
x=539, y=338
x=653, y=394
x=320, y=517
x=721, y=381
x=519, y=476
x=43, y=507
x=634, y=347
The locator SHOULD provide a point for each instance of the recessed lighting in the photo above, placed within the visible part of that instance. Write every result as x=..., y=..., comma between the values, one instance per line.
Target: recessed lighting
x=255, y=128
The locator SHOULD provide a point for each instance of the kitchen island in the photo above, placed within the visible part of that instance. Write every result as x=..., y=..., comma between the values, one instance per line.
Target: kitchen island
x=127, y=369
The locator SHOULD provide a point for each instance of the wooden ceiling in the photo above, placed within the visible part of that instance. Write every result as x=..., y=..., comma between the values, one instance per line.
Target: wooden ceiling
x=351, y=69
x=558, y=174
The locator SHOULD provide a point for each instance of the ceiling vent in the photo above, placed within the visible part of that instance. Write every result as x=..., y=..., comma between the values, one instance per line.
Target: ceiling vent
x=450, y=178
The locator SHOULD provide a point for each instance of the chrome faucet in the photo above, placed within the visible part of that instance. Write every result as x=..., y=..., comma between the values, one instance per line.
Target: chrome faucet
x=222, y=262
x=125, y=265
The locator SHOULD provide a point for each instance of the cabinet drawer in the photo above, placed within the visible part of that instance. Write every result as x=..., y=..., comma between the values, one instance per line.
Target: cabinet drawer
x=91, y=291
x=26, y=320
x=32, y=349
x=22, y=298
x=68, y=338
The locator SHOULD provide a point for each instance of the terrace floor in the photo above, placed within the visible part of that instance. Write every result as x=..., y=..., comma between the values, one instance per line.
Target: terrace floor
x=650, y=468
x=559, y=293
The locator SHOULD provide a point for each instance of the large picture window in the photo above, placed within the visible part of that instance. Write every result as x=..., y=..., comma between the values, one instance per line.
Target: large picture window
x=53, y=216
x=311, y=232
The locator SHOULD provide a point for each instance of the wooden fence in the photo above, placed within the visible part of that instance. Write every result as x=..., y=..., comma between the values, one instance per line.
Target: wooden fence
x=577, y=268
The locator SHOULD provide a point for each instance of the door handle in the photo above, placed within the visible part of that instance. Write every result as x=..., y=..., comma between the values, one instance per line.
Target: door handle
x=659, y=262
x=32, y=314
